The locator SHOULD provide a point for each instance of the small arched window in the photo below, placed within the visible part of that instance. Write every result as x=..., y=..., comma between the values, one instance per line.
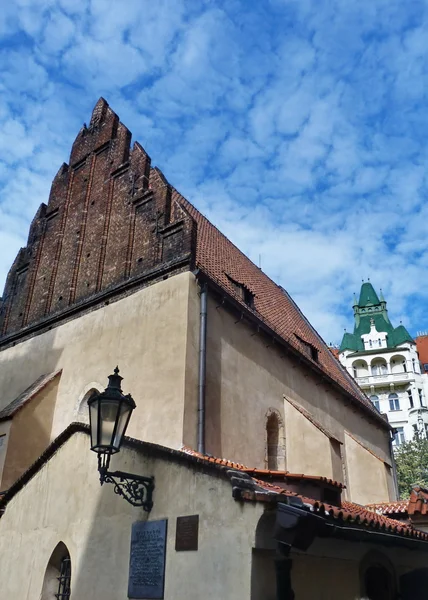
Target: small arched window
x=394, y=402
x=57, y=580
x=275, y=447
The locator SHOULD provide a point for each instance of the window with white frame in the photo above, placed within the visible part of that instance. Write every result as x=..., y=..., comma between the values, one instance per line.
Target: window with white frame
x=394, y=402
x=375, y=401
x=399, y=436
x=409, y=393
x=421, y=397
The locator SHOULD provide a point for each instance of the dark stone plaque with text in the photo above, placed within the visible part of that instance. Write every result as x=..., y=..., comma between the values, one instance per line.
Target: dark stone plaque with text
x=186, y=535
x=147, y=560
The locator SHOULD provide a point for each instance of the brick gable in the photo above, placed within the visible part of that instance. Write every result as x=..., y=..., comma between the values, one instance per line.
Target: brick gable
x=112, y=222
x=109, y=219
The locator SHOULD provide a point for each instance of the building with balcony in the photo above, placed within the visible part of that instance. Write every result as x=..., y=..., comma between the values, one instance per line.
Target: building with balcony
x=385, y=363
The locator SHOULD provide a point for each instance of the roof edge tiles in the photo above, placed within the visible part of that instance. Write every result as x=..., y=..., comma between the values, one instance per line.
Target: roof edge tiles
x=27, y=395
x=261, y=472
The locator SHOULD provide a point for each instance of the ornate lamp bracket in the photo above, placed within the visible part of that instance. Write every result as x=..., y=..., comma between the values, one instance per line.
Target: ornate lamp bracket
x=135, y=489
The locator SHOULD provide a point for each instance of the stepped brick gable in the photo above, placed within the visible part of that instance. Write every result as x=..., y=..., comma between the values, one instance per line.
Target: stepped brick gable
x=113, y=223
x=109, y=220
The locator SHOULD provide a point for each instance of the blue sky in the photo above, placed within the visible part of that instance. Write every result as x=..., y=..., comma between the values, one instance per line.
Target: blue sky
x=299, y=127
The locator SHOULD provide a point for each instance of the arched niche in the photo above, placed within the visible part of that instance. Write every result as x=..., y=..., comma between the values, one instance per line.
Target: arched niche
x=398, y=363
x=57, y=579
x=360, y=368
x=275, y=441
x=378, y=579
x=81, y=412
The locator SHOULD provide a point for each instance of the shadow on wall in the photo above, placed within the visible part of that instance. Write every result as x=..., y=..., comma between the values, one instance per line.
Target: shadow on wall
x=22, y=364
x=30, y=425
x=99, y=551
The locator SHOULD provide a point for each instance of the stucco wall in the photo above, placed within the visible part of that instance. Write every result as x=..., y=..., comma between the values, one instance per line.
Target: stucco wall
x=367, y=477
x=146, y=334
x=64, y=502
x=247, y=375
x=29, y=434
x=308, y=449
x=4, y=433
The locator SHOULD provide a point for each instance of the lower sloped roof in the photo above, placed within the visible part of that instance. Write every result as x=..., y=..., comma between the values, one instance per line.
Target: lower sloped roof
x=246, y=486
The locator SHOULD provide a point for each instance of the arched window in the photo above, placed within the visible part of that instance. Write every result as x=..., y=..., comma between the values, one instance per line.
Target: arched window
x=379, y=367
x=275, y=447
x=394, y=402
x=375, y=400
x=377, y=577
x=57, y=580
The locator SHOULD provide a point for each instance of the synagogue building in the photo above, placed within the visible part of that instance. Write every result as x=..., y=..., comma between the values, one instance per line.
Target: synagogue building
x=239, y=459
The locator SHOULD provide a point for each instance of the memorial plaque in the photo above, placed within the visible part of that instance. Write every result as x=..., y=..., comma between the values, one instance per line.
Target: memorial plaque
x=186, y=535
x=147, y=560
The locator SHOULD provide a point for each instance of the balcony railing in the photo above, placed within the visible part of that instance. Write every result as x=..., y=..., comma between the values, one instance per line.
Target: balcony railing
x=385, y=378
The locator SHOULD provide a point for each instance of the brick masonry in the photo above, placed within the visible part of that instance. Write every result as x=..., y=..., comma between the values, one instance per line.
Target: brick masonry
x=109, y=220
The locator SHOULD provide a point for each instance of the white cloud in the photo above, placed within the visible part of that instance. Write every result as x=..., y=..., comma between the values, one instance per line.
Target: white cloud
x=298, y=126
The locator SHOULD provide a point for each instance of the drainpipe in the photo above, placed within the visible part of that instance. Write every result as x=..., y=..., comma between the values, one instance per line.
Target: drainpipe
x=394, y=467
x=202, y=368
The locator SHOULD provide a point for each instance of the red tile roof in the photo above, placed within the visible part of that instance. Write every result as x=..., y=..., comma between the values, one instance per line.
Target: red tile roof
x=422, y=348
x=418, y=501
x=222, y=261
x=253, y=472
x=334, y=351
x=348, y=512
x=389, y=508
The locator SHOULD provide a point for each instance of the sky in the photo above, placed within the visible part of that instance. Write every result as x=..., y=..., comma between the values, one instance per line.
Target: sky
x=298, y=127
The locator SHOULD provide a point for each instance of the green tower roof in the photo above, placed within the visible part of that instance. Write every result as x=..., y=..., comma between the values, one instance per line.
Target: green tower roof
x=372, y=309
x=368, y=296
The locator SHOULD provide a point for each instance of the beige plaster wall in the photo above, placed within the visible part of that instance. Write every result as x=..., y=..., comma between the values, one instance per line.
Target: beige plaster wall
x=30, y=432
x=148, y=334
x=367, y=477
x=335, y=567
x=308, y=449
x=64, y=502
x=4, y=434
x=330, y=578
x=247, y=375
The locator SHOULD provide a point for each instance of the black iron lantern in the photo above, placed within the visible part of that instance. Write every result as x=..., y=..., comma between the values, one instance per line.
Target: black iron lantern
x=109, y=414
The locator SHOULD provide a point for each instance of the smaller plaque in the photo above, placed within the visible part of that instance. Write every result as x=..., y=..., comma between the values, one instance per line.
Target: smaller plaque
x=186, y=535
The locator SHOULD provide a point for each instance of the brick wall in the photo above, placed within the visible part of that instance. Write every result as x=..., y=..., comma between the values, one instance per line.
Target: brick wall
x=109, y=220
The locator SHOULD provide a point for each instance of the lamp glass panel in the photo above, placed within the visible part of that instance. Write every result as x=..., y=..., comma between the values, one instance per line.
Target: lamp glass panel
x=93, y=416
x=124, y=414
x=109, y=411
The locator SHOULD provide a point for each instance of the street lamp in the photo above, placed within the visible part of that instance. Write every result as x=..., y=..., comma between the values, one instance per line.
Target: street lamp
x=109, y=414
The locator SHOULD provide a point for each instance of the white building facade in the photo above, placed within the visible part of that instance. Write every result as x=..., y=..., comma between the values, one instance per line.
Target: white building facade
x=385, y=363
